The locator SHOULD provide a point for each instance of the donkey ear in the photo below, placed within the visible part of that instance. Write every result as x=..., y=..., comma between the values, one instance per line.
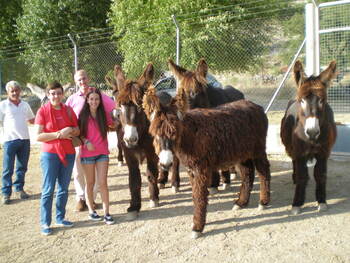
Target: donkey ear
x=147, y=76
x=299, y=74
x=119, y=77
x=202, y=68
x=150, y=102
x=177, y=71
x=329, y=73
x=112, y=83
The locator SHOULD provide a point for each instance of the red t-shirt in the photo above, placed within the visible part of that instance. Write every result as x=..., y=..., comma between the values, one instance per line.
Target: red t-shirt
x=41, y=119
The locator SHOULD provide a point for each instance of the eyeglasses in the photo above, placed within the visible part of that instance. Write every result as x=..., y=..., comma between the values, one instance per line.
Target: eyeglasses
x=55, y=93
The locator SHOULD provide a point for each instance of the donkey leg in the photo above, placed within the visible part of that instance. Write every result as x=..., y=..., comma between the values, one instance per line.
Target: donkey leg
x=134, y=186
x=175, y=175
x=120, y=157
x=214, y=183
x=120, y=148
x=301, y=178
x=200, y=202
x=320, y=174
x=263, y=170
x=246, y=171
x=163, y=178
x=225, y=177
x=152, y=177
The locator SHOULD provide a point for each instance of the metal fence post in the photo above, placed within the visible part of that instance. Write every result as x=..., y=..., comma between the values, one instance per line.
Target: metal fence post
x=75, y=53
x=0, y=78
x=311, y=40
x=177, y=39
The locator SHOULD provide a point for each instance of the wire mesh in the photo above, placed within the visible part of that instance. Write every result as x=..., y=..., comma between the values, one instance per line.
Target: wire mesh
x=251, y=58
x=335, y=45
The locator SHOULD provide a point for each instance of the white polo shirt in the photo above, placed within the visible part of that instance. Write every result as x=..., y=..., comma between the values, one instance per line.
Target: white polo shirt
x=14, y=120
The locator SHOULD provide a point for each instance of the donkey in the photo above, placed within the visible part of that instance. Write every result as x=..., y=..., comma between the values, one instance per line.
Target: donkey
x=207, y=140
x=115, y=114
x=137, y=143
x=200, y=94
x=308, y=132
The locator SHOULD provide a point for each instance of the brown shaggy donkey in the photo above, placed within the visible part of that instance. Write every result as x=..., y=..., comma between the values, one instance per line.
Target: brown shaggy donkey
x=200, y=94
x=308, y=132
x=206, y=140
x=137, y=143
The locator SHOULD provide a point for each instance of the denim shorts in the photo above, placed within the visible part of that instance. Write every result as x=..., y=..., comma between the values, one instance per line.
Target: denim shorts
x=94, y=159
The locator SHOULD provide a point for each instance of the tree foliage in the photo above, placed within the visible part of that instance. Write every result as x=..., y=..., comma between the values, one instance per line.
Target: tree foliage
x=220, y=31
x=9, y=12
x=43, y=28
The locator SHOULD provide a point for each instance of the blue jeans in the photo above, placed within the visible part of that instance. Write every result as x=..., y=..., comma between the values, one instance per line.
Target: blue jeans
x=16, y=150
x=54, y=170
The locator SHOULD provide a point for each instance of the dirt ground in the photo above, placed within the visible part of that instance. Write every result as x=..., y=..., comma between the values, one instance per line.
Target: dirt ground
x=162, y=234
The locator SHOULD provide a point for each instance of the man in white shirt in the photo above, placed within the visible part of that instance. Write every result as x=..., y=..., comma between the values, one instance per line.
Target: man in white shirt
x=15, y=115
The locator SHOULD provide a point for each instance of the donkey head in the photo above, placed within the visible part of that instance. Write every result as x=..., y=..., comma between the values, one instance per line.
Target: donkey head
x=312, y=98
x=165, y=124
x=192, y=83
x=129, y=100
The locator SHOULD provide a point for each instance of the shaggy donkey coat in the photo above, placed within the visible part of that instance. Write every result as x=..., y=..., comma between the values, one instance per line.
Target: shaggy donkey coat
x=207, y=140
x=201, y=95
x=308, y=132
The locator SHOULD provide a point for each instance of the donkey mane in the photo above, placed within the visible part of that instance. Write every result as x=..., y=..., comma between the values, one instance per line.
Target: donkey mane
x=313, y=85
x=130, y=93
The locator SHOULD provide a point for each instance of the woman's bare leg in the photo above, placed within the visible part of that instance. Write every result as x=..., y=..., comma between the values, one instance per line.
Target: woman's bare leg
x=89, y=173
x=102, y=170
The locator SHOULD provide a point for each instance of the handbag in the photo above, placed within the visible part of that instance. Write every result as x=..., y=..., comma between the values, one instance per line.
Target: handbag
x=76, y=141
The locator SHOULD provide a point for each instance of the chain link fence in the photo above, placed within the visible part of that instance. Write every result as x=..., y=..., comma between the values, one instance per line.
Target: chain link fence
x=253, y=61
x=335, y=45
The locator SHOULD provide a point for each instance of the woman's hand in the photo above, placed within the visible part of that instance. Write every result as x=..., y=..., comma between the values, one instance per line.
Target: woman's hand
x=89, y=146
x=66, y=133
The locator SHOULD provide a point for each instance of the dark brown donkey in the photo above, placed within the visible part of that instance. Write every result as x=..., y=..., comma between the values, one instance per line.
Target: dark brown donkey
x=206, y=140
x=308, y=132
x=200, y=94
x=137, y=143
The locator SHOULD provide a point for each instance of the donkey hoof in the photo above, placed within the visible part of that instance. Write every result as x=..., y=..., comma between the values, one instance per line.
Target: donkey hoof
x=236, y=207
x=196, y=234
x=153, y=204
x=261, y=207
x=322, y=207
x=225, y=187
x=233, y=176
x=161, y=186
x=132, y=215
x=213, y=190
x=295, y=210
x=120, y=163
x=175, y=189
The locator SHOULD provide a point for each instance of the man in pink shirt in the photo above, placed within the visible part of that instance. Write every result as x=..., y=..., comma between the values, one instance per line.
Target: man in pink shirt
x=76, y=101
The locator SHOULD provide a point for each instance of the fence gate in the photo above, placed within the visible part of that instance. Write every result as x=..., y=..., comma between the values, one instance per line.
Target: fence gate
x=327, y=39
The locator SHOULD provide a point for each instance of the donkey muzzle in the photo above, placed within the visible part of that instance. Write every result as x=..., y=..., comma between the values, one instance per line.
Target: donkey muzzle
x=165, y=159
x=312, y=128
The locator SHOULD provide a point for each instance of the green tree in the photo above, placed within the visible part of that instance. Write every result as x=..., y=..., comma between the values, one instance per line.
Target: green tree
x=231, y=35
x=43, y=28
x=9, y=12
